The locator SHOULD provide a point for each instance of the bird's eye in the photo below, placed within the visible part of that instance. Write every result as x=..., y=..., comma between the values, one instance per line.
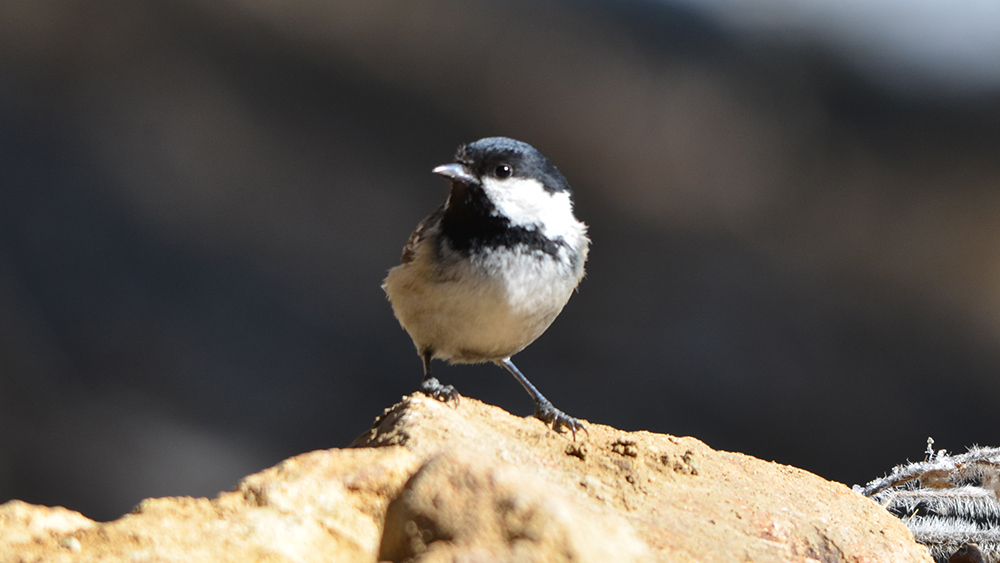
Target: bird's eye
x=503, y=171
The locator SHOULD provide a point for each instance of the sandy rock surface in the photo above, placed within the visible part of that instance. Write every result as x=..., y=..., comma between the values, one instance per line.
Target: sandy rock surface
x=435, y=482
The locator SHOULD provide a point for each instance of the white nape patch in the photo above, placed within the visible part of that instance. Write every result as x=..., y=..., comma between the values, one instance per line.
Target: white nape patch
x=527, y=204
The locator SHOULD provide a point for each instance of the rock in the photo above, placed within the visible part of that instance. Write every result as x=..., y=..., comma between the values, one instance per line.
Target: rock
x=325, y=505
x=22, y=523
x=457, y=507
x=435, y=482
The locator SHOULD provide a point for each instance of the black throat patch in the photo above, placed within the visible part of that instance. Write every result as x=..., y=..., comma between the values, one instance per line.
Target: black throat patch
x=471, y=224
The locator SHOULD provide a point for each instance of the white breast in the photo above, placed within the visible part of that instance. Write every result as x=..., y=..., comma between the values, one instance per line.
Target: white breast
x=485, y=310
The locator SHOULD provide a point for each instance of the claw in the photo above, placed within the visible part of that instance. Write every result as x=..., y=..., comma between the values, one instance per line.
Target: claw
x=558, y=419
x=444, y=393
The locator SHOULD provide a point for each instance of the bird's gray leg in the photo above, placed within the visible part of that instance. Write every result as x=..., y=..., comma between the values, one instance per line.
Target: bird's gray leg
x=544, y=410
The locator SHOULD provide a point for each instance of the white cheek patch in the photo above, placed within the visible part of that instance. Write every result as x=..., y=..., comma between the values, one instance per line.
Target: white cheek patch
x=527, y=204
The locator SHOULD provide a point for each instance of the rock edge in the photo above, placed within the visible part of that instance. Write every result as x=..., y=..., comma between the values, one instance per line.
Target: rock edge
x=435, y=482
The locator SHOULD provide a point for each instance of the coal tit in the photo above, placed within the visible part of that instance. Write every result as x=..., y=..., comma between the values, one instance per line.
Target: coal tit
x=486, y=273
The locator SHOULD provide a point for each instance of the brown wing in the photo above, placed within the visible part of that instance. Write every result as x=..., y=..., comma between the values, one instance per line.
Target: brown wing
x=419, y=234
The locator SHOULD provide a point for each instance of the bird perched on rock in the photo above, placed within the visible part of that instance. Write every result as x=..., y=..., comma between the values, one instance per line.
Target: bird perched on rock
x=488, y=271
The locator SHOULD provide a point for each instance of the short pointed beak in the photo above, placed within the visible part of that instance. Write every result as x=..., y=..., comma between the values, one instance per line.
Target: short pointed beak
x=456, y=173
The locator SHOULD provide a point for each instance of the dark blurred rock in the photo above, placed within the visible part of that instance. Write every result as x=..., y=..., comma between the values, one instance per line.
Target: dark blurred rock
x=968, y=553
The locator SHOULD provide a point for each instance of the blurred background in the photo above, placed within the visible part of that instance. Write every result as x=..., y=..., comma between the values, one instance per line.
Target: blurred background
x=794, y=209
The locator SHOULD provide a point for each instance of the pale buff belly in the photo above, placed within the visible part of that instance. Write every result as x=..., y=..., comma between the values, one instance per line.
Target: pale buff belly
x=478, y=318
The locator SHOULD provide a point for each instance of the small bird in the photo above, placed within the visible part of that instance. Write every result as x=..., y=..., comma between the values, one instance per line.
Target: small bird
x=488, y=271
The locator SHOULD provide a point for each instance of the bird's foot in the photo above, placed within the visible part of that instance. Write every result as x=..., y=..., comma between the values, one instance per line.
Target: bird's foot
x=444, y=393
x=548, y=414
